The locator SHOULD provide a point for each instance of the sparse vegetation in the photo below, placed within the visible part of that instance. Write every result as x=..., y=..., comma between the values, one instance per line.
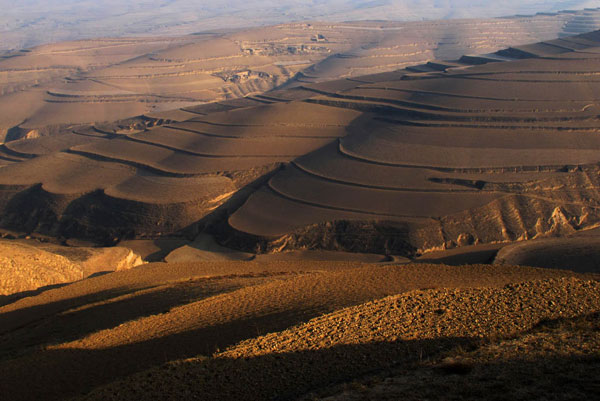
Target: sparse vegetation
x=225, y=325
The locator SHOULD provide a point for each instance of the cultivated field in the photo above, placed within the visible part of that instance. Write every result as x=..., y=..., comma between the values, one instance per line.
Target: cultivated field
x=497, y=169
x=494, y=148
x=48, y=88
x=36, y=22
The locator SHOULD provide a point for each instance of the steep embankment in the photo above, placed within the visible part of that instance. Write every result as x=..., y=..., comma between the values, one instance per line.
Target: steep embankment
x=26, y=266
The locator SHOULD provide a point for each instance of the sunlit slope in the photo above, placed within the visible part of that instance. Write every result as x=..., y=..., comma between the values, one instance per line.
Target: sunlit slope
x=26, y=266
x=78, y=337
x=398, y=333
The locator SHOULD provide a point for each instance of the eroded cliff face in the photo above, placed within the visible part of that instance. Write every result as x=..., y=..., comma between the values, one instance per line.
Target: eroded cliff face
x=27, y=265
x=97, y=216
x=558, y=206
x=343, y=235
x=502, y=221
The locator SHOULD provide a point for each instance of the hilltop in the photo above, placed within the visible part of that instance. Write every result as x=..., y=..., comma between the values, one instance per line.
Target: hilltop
x=39, y=22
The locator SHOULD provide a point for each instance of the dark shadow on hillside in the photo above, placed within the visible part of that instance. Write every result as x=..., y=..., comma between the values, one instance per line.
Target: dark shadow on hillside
x=12, y=320
x=64, y=373
x=476, y=254
x=287, y=376
x=479, y=257
x=12, y=298
x=33, y=210
x=105, y=220
x=165, y=246
x=215, y=223
x=42, y=325
x=378, y=235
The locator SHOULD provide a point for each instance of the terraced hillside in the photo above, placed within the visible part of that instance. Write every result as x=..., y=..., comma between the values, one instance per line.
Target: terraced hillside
x=37, y=22
x=431, y=157
x=45, y=88
x=502, y=151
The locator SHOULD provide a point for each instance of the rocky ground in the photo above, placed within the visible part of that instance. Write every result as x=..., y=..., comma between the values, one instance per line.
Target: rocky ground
x=288, y=329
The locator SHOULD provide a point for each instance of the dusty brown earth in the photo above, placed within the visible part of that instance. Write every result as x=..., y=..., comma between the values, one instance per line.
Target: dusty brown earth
x=34, y=22
x=51, y=87
x=557, y=359
x=480, y=152
x=427, y=158
x=90, y=333
x=490, y=158
x=29, y=265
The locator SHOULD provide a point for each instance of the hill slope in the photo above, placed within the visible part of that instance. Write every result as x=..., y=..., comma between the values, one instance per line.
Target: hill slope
x=87, y=334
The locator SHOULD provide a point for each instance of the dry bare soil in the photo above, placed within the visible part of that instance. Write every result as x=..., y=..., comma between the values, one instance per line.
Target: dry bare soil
x=284, y=330
x=463, y=157
x=488, y=149
x=54, y=86
x=25, y=24
x=26, y=266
